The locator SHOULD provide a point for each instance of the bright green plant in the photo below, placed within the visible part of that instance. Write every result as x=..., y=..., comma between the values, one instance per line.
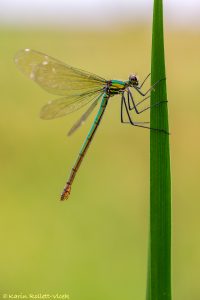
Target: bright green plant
x=159, y=260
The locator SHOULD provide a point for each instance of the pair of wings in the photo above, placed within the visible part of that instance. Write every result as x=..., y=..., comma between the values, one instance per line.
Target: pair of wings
x=76, y=87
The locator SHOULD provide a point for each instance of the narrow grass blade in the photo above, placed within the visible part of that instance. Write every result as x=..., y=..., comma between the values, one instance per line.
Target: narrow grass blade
x=159, y=256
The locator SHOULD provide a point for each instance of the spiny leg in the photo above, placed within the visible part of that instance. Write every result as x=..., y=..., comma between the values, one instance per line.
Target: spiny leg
x=139, y=87
x=138, y=124
x=130, y=96
x=122, y=119
x=138, y=103
x=149, y=90
x=123, y=103
x=143, y=94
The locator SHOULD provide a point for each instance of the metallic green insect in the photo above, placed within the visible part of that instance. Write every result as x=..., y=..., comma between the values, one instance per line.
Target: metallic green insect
x=77, y=88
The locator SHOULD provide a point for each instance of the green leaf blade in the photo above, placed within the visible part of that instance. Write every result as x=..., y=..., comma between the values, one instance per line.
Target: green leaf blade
x=159, y=264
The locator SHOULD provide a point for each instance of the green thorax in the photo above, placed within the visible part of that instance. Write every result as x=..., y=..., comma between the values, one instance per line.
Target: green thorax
x=117, y=87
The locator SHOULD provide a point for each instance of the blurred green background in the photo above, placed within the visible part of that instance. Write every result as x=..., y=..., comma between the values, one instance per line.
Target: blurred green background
x=94, y=246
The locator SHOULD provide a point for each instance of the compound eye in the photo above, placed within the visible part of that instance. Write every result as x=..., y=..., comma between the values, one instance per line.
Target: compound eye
x=132, y=78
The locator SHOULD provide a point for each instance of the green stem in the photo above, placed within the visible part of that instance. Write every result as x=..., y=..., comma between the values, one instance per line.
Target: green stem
x=159, y=256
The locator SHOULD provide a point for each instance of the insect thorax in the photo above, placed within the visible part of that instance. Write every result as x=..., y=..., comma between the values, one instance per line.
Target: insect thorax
x=114, y=87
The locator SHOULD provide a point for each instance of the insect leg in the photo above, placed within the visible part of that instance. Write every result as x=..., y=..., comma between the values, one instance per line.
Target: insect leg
x=130, y=100
x=136, y=104
x=130, y=96
x=122, y=104
x=139, y=87
x=149, y=90
x=122, y=119
x=138, y=124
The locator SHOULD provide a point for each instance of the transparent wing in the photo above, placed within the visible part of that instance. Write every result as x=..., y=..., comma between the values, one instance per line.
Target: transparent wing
x=65, y=105
x=84, y=116
x=57, y=77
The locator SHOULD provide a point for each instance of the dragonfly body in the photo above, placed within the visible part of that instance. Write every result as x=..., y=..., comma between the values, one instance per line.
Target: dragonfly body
x=87, y=142
x=113, y=87
x=77, y=88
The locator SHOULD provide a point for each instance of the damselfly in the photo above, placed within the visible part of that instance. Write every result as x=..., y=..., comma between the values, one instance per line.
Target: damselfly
x=78, y=88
